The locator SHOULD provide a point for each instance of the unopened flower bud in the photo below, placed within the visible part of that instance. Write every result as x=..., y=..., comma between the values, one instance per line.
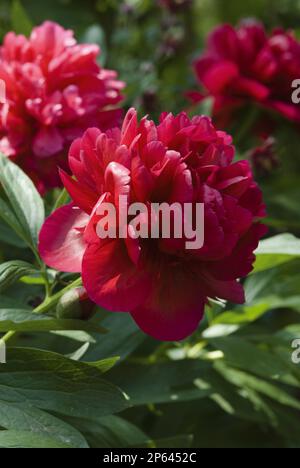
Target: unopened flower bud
x=75, y=304
x=264, y=158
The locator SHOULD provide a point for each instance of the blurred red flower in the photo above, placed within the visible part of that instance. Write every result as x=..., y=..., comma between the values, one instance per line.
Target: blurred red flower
x=55, y=90
x=162, y=284
x=245, y=65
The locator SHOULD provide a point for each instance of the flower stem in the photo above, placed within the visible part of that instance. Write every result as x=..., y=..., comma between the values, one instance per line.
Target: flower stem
x=52, y=301
x=8, y=335
x=44, y=274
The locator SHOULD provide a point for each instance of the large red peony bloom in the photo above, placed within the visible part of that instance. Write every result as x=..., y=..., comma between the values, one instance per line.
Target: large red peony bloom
x=164, y=286
x=245, y=65
x=55, y=90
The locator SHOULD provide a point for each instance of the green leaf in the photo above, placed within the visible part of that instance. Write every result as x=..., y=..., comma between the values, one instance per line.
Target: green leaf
x=52, y=382
x=109, y=432
x=219, y=330
x=96, y=35
x=122, y=339
x=244, y=355
x=10, y=303
x=24, y=320
x=287, y=422
x=25, y=201
x=25, y=439
x=21, y=23
x=246, y=405
x=12, y=271
x=105, y=364
x=205, y=107
x=277, y=284
x=9, y=217
x=231, y=321
x=22, y=417
x=241, y=315
x=289, y=333
x=242, y=379
x=160, y=383
x=33, y=280
x=276, y=251
x=8, y=235
x=76, y=335
x=79, y=353
x=62, y=199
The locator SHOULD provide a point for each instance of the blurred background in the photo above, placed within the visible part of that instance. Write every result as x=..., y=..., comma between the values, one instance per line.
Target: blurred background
x=151, y=45
x=233, y=383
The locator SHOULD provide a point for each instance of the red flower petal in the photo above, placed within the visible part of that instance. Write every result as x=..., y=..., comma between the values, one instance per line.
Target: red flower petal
x=82, y=196
x=176, y=307
x=61, y=243
x=229, y=290
x=111, y=279
x=48, y=142
x=220, y=76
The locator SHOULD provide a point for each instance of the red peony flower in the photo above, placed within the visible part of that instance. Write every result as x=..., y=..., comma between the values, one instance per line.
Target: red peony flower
x=162, y=284
x=246, y=65
x=55, y=91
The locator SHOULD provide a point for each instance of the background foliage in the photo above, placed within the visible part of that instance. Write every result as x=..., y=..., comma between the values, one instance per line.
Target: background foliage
x=67, y=383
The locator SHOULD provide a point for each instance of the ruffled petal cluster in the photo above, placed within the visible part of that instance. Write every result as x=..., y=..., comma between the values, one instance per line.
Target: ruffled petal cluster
x=55, y=90
x=245, y=64
x=161, y=283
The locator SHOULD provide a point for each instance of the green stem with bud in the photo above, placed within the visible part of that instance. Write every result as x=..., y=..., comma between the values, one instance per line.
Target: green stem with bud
x=48, y=304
